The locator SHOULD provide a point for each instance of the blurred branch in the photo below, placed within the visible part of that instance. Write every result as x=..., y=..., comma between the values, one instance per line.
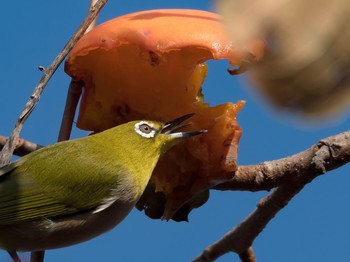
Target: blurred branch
x=291, y=174
x=7, y=151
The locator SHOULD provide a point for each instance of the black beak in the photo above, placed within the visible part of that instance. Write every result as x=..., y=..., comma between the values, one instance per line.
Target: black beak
x=172, y=127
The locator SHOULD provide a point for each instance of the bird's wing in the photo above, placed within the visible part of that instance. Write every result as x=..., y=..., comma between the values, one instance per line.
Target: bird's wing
x=38, y=187
x=22, y=200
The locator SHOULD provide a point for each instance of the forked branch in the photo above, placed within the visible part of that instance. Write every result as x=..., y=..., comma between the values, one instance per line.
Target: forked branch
x=290, y=175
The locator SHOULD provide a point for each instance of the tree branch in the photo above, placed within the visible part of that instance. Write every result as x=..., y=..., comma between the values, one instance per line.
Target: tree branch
x=291, y=174
x=22, y=148
x=73, y=96
x=37, y=256
x=7, y=151
x=328, y=154
x=269, y=174
x=74, y=92
x=248, y=255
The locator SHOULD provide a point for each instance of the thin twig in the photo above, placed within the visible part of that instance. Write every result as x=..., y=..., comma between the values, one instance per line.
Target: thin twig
x=93, y=23
x=247, y=255
x=14, y=256
x=299, y=170
x=37, y=256
x=13, y=140
x=6, y=153
x=22, y=148
x=73, y=96
x=242, y=236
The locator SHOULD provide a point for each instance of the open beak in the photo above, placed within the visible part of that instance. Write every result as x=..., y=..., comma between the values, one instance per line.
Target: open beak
x=171, y=128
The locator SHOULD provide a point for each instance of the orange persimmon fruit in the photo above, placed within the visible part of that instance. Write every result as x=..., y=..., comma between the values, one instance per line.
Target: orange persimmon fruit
x=151, y=65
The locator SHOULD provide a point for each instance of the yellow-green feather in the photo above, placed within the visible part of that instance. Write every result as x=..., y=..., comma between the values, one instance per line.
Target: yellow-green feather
x=77, y=175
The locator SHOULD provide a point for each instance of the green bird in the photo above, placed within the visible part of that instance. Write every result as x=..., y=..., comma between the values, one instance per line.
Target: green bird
x=72, y=191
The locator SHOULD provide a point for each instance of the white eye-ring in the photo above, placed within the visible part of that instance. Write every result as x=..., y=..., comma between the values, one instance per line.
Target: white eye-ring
x=145, y=129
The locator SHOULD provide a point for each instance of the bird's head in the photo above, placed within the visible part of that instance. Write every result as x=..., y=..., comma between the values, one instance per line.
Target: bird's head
x=145, y=140
x=139, y=144
x=162, y=136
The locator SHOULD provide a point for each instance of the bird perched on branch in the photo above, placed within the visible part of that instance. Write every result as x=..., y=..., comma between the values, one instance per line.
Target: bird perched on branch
x=75, y=190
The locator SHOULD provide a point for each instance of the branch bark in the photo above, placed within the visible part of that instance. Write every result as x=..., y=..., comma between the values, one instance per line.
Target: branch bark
x=22, y=148
x=73, y=96
x=74, y=92
x=328, y=154
x=248, y=255
x=290, y=175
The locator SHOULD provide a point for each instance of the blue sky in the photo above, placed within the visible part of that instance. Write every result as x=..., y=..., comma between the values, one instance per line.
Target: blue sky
x=313, y=227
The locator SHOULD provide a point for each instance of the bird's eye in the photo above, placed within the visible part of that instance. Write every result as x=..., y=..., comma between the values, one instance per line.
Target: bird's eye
x=145, y=129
